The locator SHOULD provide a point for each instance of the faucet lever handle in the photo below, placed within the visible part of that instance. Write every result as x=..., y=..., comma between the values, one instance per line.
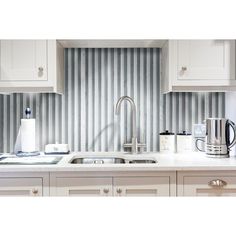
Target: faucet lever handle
x=127, y=145
x=141, y=145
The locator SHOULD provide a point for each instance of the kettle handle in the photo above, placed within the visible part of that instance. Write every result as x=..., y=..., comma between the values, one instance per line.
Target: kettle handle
x=231, y=123
x=197, y=145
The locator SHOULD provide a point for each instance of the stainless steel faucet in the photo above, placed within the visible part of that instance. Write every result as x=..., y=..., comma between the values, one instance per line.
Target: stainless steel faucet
x=134, y=145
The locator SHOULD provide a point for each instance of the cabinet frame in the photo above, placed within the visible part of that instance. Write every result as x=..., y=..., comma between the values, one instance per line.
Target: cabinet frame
x=169, y=73
x=54, y=83
x=30, y=175
x=208, y=175
x=119, y=174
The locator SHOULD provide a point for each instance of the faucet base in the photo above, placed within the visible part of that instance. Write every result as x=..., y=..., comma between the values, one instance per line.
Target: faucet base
x=134, y=146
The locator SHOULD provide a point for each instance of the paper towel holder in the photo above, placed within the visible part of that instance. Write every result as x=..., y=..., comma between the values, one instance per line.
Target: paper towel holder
x=17, y=149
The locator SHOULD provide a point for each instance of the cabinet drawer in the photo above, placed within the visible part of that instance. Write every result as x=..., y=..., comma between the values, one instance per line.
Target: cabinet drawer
x=21, y=187
x=207, y=185
x=83, y=186
x=142, y=186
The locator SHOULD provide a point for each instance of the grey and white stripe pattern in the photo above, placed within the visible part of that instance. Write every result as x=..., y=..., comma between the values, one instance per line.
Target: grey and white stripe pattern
x=84, y=116
x=179, y=111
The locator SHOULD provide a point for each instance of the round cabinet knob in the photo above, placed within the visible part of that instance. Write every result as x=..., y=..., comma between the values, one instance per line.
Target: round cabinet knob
x=119, y=190
x=106, y=190
x=184, y=68
x=35, y=191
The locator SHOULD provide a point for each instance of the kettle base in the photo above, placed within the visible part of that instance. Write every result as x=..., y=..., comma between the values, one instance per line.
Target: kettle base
x=215, y=150
x=217, y=155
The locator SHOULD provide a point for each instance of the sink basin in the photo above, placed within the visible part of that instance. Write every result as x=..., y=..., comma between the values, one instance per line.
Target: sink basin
x=97, y=160
x=142, y=161
x=110, y=160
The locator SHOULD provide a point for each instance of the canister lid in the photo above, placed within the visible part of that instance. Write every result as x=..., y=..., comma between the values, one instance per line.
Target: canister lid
x=184, y=133
x=166, y=133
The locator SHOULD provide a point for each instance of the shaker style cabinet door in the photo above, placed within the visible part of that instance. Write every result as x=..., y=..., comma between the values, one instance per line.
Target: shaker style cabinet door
x=142, y=186
x=204, y=184
x=198, y=65
x=23, y=60
x=83, y=186
x=21, y=187
x=205, y=60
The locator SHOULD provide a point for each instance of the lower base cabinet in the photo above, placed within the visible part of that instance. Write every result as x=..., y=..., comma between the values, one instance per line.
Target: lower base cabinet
x=163, y=184
x=21, y=187
x=142, y=186
x=133, y=184
x=83, y=186
x=206, y=183
x=24, y=185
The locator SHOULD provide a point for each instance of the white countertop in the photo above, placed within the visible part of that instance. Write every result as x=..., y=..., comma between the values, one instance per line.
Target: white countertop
x=166, y=162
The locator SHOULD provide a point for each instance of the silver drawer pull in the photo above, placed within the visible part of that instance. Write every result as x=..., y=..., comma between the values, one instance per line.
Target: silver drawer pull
x=217, y=183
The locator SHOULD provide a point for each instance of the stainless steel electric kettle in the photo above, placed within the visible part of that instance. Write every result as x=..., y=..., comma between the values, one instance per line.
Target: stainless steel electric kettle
x=217, y=143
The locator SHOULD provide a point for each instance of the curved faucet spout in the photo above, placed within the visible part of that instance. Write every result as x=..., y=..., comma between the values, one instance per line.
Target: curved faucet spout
x=134, y=145
x=127, y=98
x=133, y=107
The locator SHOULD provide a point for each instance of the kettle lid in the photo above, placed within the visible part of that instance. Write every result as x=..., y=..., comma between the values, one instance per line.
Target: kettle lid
x=166, y=133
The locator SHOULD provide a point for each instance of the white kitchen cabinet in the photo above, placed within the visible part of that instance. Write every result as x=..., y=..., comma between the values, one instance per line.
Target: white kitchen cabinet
x=198, y=65
x=113, y=184
x=24, y=184
x=23, y=60
x=84, y=186
x=31, y=66
x=206, y=183
x=142, y=186
x=21, y=187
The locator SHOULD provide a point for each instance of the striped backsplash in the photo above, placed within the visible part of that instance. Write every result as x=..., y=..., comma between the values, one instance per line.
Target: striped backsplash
x=84, y=116
x=179, y=111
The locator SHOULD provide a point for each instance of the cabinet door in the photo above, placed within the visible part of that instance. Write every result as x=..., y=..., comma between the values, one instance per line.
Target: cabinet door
x=80, y=186
x=142, y=186
x=21, y=187
x=209, y=186
x=23, y=60
x=205, y=61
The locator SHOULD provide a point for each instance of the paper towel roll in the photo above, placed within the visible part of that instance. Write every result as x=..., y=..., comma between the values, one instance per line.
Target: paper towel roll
x=27, y=132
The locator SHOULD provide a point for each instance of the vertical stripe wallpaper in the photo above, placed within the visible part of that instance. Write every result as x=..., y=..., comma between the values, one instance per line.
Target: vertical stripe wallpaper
x=84, y=116
x=179, y=111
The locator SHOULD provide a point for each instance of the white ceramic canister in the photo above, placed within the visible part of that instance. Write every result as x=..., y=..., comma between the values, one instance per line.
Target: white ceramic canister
x=184, y=142
x=167, y=142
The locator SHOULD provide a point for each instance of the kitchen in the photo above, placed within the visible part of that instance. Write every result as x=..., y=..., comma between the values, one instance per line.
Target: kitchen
x=117, y=118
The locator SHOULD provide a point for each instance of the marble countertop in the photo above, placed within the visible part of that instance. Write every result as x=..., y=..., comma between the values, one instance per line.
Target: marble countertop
x=165, y=162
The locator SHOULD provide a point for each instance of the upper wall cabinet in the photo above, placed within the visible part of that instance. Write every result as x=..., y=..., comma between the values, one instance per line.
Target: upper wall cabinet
x=31, y=66
x=198, y=65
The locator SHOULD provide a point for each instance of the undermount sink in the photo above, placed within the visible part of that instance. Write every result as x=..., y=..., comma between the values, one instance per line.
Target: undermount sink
x=142, y=161
x=110, y=160
x=97, y=160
